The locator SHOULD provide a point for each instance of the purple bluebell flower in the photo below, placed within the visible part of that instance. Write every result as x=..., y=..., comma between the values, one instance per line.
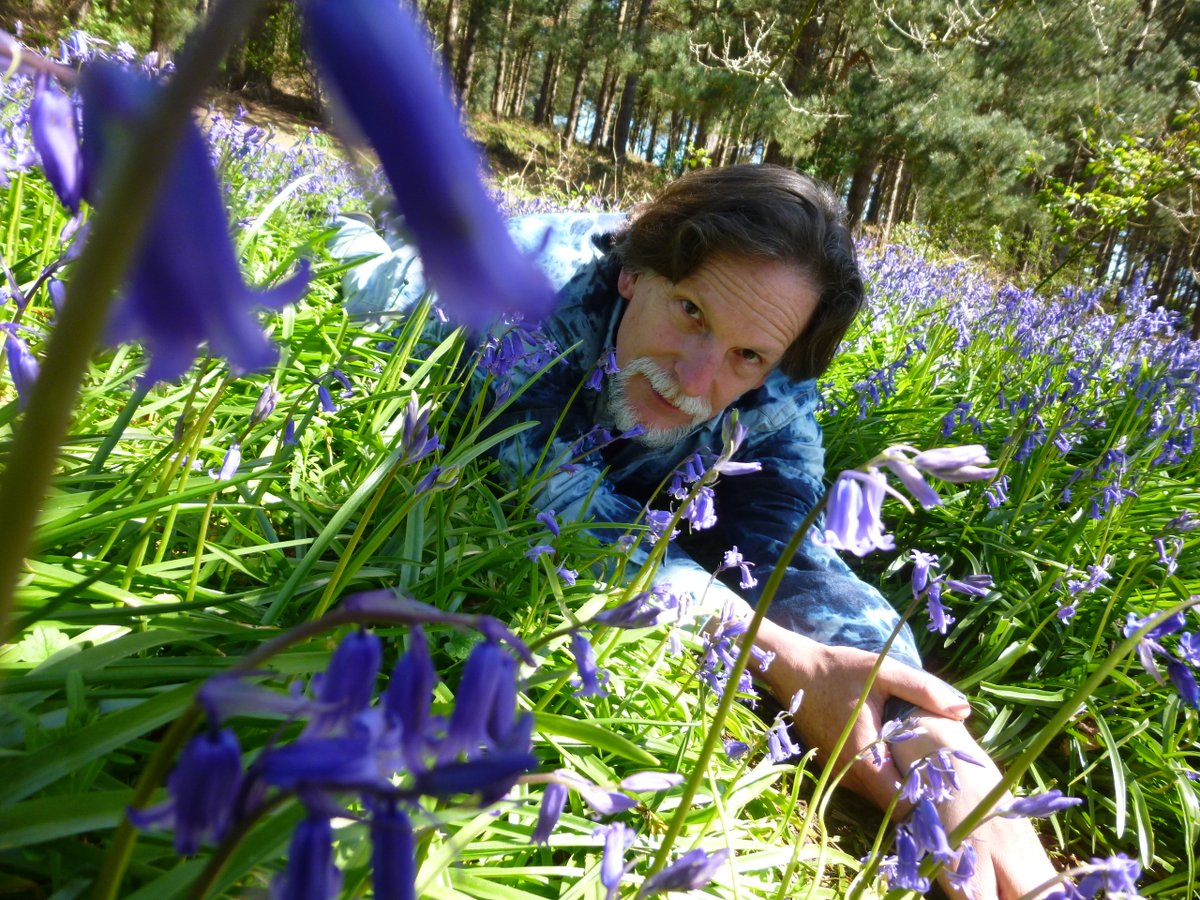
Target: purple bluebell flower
x=907, y=873
x=436, y=477
x=1185, y=682
x=203, y=790
x=591, y=680
x=58, y=294
x=372, y=55
x=568, y=576
x=547, y=519
x=491, y=776
x=971, y=585
x=539, y=550
x=1067, y=612
x=229, y=465
x=700, y=511
x=734, y=560
x=658, y=520
x=852, y=518
x=185, y=287
x=482, y=674
x=347, y=685
x=1117, y=876
x=1037, y=806
x=289, y=432
x=415, y=440
x=912, y=479
x=964, y=869
x=940, y=619
x=928, y=832
x=310, y=873
x=605, y=802
x=393, y=853
x=344, y=380
x=637, y=612
x=326, y=399
x=780, y=746
x=265, y=405
x=690, y=872
x=605, y=365
x=956, y=464
x=22, y=365
x=408, y=699
x=331, y=763
x=647, y=782
x=735, y=749
x=922, y=563
x=895, y=731
x=1169, y=558
x=554, y=799
x=1188, y=648
x=617, y=838
x=55, y=132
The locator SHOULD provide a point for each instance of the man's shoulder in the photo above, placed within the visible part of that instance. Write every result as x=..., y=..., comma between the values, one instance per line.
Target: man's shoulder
x=780, y=405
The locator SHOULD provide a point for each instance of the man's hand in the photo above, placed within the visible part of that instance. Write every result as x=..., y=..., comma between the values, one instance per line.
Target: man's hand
x=833, y=679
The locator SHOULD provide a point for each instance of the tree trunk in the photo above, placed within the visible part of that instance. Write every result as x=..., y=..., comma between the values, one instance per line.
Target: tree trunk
x=450, y=33
x=652, y=140
x=498, y=95
x=629, y=93
x=464, y=72
x=543, y=111
x=576, y=99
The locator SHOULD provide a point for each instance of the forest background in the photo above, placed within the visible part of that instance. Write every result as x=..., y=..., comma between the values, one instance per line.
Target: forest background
x=1057, y=140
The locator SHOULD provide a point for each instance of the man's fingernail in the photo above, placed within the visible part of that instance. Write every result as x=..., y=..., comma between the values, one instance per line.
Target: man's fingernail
x=961, y=709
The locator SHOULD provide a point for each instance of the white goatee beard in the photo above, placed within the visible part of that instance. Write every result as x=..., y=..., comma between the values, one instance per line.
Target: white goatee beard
x=622, y=410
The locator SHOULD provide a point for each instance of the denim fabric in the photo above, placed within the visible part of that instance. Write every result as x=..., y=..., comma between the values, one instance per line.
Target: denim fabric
x=610, y=487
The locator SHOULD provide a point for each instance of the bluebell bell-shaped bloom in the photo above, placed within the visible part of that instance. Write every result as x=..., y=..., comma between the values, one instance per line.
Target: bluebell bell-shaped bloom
x=203, y=790
x=940, y=618
x=910, y=476
x=591, y=679
x=605, y=365
x=603, y=801
x=907, y=872
x=539, y=550
x=637, y=612
x=229, y=465
x=853, y=516
x=554, y=799
x=1188, y=648
x=1185, y=682
x=568, y=576
x=310, y=873
x=408, y=699
x=347, y=685
x=325, y=399
x=922, y=563
x=690, y=872
x=964, y=868
x=956, y=464
x=265, y=405
x=373, y=56
x=547, y=518
x=393, y=854
x=483, y=680
x=416, y=443
x=735, y=749
x=1037, y=806
x=972, y=585
x=1117, y=876
x=894, y=731
x=229, y=695
x=491, y=776
x=647, y=782
x=185, y=287
x=700, y=512
x=332, y=763
x=22, y=365
x=928, y=831
x=780, y=746
x=55, y=134
x=732, y=559
x=617, y=838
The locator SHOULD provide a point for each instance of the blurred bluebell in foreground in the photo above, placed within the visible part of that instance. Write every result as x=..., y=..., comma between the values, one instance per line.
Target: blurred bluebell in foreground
x=185, y=287
x=373, y=56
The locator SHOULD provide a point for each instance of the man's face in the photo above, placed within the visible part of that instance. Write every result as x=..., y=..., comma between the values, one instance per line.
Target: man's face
x=688, y=350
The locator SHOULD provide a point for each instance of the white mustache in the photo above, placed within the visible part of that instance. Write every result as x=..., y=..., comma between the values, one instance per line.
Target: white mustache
x=696, y=407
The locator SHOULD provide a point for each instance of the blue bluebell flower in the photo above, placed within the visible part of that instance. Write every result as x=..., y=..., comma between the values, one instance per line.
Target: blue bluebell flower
x=55, y=132
x=732, y=559
x=700, y=512
x=617, y=838
x=1037, y=806
x=328, y=762
x=547, y=518
x=554, y=799
x=491, y=776
x=907, y=871
x=780, y=746
x=690, y=872
x=484, y=674
x=853, y=516
x=326, y=399
x=415, y=441
x=347, y=685
x=940, y=618
x=647, y=782
x=203, y=790
x=591, y=680
x=735, y=749
x=1117, y=876
x=229, y=465
x=372, y=55
x=265, y=405
x=1185, y=682
x=310, y=873
x=964, y=869
x=568, y=576
x=638, y=612
x=393, y=853
x=605, y=365
x=928, y=831
x=22, y=365
x=658, y=520
x=956, y=465
x=1188, y=648
x=539, y=550
x=922, y=563
x=408, y=700
x=185, y=287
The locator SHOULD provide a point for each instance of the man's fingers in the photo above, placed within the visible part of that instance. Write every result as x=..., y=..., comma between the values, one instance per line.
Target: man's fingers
x=926, y=691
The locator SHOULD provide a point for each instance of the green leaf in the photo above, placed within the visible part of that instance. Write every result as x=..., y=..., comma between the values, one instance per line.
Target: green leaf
x=41, y=644
x=50, y=818
x=593, y=734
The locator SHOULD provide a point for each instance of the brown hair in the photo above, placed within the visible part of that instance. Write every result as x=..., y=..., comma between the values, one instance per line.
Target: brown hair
x=763, y=211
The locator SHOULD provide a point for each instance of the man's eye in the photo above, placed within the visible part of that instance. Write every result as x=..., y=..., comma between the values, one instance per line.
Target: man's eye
x=750, y=356
x=690, y=309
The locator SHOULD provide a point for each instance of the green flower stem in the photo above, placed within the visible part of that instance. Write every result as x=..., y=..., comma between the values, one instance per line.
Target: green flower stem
x=718, y=720
x=118, y=429
x=115, y=230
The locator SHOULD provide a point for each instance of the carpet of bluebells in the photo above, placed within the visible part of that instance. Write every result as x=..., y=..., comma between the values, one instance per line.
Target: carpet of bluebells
x=286, y=627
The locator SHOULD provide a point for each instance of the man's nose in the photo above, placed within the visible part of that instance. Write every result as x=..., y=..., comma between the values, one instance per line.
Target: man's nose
x=697, y=368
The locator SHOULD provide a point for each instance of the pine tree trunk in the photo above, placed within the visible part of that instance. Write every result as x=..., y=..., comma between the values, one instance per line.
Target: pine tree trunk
x=498, y=96
x=450, y=33
x=629, y=93
x=464, y=72
x=576, y=100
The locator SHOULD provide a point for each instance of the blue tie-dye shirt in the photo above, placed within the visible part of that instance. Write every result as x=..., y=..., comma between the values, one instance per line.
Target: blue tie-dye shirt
x=611, y=487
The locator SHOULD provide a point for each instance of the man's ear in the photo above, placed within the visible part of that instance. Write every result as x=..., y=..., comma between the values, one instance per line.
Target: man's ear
x=625, y=282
